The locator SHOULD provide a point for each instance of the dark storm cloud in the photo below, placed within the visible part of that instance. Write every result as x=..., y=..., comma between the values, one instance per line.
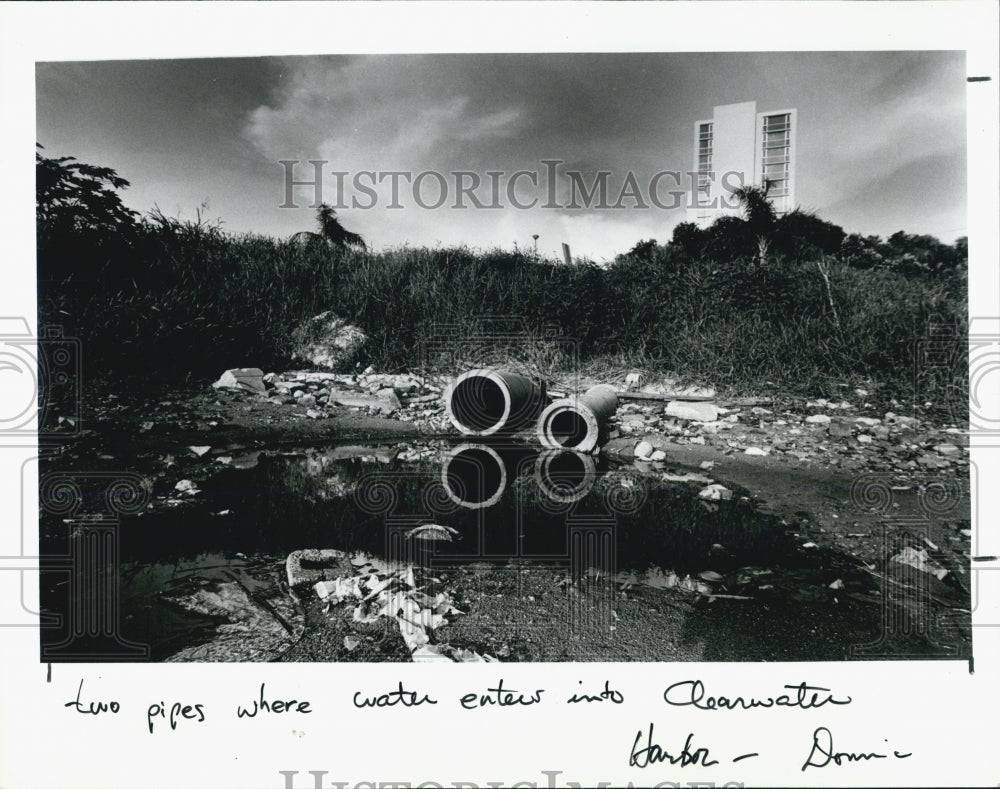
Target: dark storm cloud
x=183, y=131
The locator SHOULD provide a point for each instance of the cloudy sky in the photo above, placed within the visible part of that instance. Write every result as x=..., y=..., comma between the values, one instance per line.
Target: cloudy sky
x=881, y=137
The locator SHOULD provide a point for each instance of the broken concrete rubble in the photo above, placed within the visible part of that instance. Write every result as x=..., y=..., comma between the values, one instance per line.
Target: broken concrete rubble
x=695, y=412
x=248, y=379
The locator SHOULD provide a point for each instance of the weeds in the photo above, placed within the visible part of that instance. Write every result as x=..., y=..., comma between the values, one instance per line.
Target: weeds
x=186, y=299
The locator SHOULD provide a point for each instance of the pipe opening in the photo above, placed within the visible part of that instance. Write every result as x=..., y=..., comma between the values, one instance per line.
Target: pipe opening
x=568, y=429
x=565, y=476
x=479, y=403
x=566, y=471
x=474, y=476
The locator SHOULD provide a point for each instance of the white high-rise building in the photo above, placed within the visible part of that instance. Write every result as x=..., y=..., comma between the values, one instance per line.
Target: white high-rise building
x=738, y=146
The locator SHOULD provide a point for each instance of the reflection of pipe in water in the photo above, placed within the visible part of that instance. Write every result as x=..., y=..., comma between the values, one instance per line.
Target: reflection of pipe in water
x=484, y=402
x=565, y=476
x=578, y=423
x=474, y=476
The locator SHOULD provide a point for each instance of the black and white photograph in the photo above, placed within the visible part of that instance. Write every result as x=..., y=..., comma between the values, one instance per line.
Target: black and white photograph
x=572, y=365
x=508, y=357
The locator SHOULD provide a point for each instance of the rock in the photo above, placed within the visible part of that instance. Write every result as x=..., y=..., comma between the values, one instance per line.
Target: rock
x=307, y=400
x=868, y=421
x=919, y=560
x=839, y=429
x=328, y=342
x=658, y=455
x=249, y=379
x=902, y=421
x=643, y=450
x=695, y=412
x=389, y=396
x=818, y=419
x=929, y=461
x=385, y=401
x=946, y=449
x=715, y=492
x=755, y=451
x=707, y=465
x=863, y=439
x=186, y=486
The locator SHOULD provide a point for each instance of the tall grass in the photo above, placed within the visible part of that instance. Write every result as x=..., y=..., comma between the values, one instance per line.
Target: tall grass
x=185, y=300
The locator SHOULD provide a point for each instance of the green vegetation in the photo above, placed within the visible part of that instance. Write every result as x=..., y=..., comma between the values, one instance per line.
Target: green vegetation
x=751, y=304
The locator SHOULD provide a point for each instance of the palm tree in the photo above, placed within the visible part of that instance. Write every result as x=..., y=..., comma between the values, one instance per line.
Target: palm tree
x=331, y=232
x=760, y=216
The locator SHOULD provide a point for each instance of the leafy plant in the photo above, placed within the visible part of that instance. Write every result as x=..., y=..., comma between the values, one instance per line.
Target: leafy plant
x=73, y=197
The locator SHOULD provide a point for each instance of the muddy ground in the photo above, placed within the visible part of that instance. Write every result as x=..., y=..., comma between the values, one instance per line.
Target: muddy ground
x=862, y=507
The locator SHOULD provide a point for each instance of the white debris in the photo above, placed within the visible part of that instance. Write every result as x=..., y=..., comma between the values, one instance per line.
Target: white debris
x=715, y=492
x=695, y=412
x=919, y=560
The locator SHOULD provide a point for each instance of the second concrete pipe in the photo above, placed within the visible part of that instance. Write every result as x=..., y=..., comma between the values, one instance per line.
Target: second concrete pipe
x=578, y=423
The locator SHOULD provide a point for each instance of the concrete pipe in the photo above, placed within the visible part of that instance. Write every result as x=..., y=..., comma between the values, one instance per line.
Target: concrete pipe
x=474, y=476
x=565, y=476
x=484, y=402
x=578, y=423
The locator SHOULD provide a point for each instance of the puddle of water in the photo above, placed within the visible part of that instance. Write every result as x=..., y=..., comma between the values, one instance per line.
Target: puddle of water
x=503, y=503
